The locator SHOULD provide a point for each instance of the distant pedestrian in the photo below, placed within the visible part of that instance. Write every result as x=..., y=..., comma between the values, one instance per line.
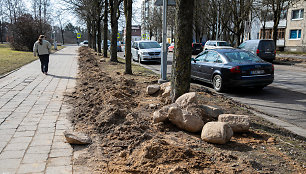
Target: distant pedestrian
x=42, y=48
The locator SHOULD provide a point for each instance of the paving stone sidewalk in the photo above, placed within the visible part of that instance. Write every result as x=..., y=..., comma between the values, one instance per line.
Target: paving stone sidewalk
x=33, y=116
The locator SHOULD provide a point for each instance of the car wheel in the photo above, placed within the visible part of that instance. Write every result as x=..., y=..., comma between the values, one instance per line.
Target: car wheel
x=218, y=83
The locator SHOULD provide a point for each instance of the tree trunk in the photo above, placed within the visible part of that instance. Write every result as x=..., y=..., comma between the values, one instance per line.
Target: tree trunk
x=105, y=29
x=99, y=35
x=62, y=32
x=128, y=28
x=94, y=36
x=114, y=5
x=180, y=81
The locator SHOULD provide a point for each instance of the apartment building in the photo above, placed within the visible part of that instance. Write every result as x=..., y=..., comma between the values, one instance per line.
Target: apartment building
x=295, y=40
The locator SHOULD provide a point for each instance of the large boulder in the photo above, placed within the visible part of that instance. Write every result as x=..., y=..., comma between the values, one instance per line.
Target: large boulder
x=152, y=89
x=162, y=114
x=77, y=138
x=185, y=120
x=200, y=112
x=239, y=123
x=187, y=99
x=212, y=111
x=216, y=132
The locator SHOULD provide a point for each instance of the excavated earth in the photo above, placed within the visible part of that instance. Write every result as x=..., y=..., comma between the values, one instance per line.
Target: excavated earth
x=115, y=111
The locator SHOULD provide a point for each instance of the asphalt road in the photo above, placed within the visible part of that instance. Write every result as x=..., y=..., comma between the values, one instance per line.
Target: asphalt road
x=284, y=99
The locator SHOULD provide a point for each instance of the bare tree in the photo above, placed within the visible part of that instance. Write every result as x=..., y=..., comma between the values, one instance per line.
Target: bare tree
x=128, y=37
x=105, y=28
x=277, y=8
x=180, y=81
x=115, y=15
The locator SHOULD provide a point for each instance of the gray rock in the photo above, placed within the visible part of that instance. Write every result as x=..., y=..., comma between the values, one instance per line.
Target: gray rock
x=185, y=120
x=216, y=132
x=162, y=114
x=152, y=89
x=163, y=86
x=200, y=112
x=77, y=138
x=166, y=92
x=239, y=123
x=187, y=99
x=212, y=111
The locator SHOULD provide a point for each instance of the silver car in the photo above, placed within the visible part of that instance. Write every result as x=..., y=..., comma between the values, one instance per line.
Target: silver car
x=145, y=51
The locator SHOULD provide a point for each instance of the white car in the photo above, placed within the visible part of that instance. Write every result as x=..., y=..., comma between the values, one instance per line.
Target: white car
x=145, y=51
x=213, y=44
x=84, y=43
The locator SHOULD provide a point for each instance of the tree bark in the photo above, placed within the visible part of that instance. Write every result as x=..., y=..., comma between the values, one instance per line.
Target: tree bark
x=114, y=5
x=180, y=81
x=105, y=29
x=128, y=28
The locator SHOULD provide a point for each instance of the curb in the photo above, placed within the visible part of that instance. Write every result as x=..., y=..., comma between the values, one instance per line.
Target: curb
x=288, y=126
x=2, y=76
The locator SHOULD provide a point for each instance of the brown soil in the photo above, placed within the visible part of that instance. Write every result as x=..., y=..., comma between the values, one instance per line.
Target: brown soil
x=115, y=111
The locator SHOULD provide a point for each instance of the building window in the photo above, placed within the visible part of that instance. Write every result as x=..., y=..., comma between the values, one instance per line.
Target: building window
x=281, y=33
x=297, y=14
x=295, y=34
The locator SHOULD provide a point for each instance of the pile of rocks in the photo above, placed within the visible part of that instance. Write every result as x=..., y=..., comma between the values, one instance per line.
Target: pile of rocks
x=188, y=115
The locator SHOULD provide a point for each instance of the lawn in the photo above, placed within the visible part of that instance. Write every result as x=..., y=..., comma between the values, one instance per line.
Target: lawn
x=11, y=60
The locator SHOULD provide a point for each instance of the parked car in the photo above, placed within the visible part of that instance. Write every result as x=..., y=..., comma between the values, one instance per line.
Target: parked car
x=265, y=49
x=171, y=47
x=213, y=44
x=228, y=68
x=147, y=50
x=84, y=43
x=196, y=48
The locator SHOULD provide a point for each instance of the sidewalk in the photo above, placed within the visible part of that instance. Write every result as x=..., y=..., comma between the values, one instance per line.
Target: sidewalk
x=33, y=116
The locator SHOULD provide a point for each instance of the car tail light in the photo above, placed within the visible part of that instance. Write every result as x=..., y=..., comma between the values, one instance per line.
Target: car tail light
x=272, y=67
x=235, y=69
x=257, y=51
x=274, y=51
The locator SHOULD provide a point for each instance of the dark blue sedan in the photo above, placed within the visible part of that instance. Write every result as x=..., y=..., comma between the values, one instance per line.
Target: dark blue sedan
x=229, y=68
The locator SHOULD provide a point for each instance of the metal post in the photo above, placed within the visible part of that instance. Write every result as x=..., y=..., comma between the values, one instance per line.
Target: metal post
x=163, y=65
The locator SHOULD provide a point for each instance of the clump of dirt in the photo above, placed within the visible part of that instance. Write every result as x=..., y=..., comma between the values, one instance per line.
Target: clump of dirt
x=113, y=108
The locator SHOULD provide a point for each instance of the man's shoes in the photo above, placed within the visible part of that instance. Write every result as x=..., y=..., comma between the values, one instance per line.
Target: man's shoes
x=45, y=73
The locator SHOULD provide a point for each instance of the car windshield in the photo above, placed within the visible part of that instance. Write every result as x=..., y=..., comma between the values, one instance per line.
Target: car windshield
x=148, y=45
x=223, y=44
x=241, y=56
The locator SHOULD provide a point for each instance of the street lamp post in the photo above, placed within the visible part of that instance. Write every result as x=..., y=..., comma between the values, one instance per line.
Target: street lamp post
x=163, y=66
x=164, y=47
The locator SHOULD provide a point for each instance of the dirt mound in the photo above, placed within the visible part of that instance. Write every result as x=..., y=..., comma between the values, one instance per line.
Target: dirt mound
x=114, y=109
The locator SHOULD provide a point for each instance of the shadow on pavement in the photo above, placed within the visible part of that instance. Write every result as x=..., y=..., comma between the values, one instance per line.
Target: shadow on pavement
x=62, y=77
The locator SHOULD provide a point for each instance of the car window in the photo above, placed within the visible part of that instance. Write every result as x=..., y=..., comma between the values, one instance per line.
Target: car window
x=148, y=45
x=241, y=56
x=242, y=45
x=223, y=44
x=267, y=45
x=211, y=57
x=201, y=57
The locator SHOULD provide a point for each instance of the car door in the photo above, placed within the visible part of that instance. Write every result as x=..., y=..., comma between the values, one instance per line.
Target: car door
x=134, y=51
x=208, y=66
x=196, y=66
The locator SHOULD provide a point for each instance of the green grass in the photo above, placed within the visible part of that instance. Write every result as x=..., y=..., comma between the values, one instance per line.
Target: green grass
x=11, y=60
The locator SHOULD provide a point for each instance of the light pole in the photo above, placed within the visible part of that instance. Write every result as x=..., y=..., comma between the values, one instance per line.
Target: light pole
x=163, y=66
